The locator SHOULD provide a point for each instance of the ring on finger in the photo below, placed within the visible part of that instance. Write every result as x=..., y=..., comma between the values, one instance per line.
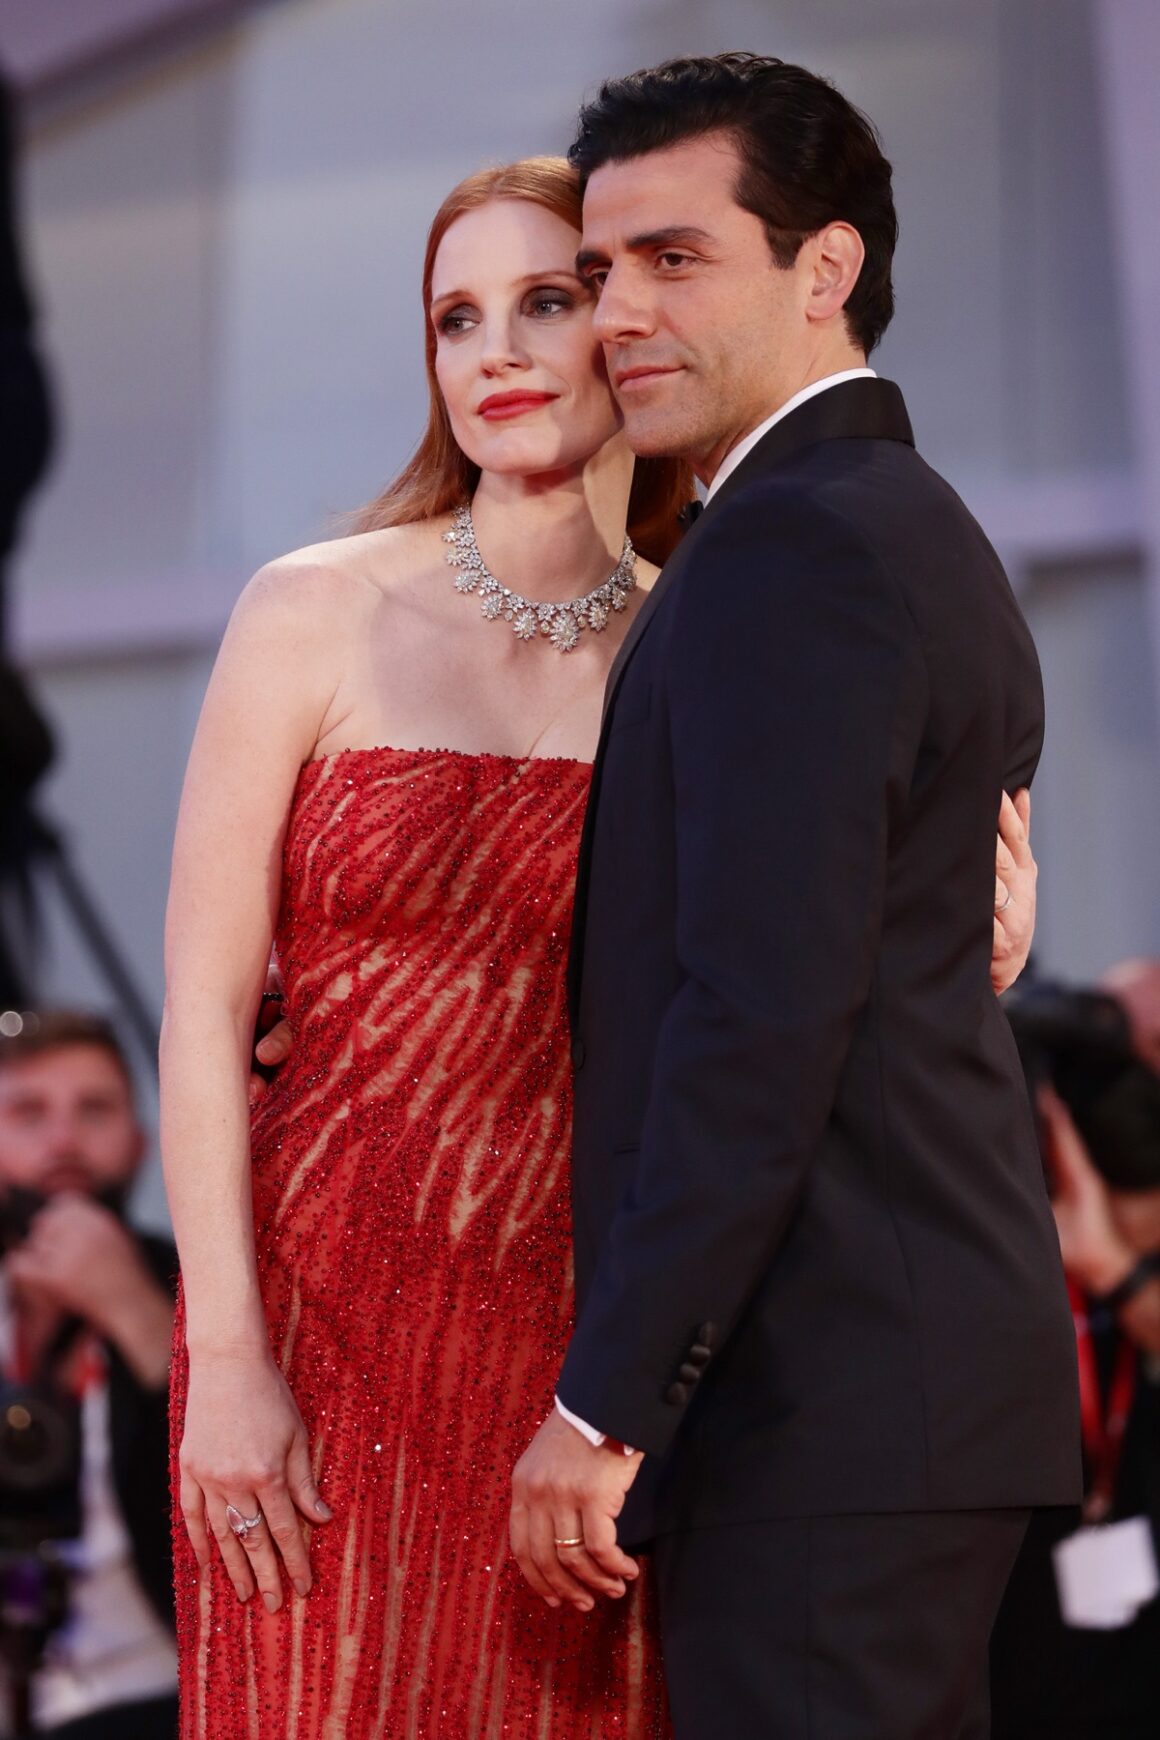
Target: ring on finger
x=1005, y=904
x=571, y=1541
x=243, y=1525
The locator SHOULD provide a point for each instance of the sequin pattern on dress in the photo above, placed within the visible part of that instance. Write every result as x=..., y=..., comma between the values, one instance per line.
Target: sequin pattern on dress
x=411, y=1203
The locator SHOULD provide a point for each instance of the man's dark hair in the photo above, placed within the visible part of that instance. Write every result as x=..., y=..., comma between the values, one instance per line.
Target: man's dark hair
x=38, y=1033
x=808, y=156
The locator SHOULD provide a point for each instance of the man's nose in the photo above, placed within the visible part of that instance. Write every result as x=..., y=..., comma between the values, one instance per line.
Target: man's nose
x=623, y=310
x=64, y=1140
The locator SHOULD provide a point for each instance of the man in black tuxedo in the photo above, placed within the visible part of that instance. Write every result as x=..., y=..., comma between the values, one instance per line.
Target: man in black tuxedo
x=819, y=1285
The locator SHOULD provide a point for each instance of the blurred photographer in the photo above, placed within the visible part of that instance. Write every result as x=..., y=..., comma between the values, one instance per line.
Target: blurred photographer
x=86, y=1317
x=1076, y=1652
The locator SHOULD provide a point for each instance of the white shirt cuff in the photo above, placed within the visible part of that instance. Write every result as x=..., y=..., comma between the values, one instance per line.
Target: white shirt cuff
x=585, y=1430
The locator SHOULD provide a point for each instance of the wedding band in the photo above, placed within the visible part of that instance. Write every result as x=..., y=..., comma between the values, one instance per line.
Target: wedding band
x=1005, y=904
x=242, y=1525
x=576, y=1541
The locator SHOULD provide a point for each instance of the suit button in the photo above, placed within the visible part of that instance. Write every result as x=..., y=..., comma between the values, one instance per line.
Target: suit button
x=707, y=1335
x=579, y=1053
x=677, y=1394
x=699, y=1355
x=690, y=1374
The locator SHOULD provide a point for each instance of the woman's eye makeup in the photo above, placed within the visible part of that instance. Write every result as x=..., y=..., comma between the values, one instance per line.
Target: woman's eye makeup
x=549, y=299
x=455, y=320
x=545, y=302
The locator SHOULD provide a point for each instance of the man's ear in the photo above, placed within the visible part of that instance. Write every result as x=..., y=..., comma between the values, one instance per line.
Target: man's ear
x=836, y=253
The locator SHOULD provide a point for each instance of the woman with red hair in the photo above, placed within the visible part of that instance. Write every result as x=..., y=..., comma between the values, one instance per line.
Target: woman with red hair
x=388, y=780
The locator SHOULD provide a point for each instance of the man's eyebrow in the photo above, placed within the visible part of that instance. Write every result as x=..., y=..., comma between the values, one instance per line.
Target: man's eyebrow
x=673, y=236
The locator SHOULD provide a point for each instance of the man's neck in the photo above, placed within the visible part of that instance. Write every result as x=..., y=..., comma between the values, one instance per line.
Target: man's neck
x=738, y=447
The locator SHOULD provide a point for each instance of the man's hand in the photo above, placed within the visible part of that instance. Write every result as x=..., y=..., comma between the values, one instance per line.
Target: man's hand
x=1016, y=874
x=565, y=1489
x=275, y=1040
x=1095, y=1254
x=79, y=1258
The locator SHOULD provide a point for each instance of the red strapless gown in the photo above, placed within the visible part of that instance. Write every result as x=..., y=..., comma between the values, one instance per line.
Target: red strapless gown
x=412, y=1221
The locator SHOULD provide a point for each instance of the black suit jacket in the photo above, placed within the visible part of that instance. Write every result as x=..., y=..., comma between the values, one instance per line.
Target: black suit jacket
x=139, y=1430
x=816, y=1265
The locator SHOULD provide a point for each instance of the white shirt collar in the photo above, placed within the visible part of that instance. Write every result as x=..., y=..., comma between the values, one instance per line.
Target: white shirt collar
x=748, y=442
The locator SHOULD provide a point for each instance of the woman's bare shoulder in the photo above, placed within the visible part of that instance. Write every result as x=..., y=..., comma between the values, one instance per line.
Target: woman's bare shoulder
x=345, y=577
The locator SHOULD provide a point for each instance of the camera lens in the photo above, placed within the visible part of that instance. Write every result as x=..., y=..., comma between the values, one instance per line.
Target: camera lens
x=35, y=1443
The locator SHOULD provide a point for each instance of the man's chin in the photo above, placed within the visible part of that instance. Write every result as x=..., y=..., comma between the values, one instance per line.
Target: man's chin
x=653, y=435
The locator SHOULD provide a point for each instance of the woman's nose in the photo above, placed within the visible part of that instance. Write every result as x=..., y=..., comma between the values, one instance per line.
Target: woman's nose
x=500, y=349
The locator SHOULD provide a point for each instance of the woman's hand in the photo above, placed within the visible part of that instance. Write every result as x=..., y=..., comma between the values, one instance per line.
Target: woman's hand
x=245, y=1446
x=1016, y=873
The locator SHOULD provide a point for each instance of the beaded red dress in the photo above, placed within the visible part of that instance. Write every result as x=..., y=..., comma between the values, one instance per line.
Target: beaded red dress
x=411, y=1203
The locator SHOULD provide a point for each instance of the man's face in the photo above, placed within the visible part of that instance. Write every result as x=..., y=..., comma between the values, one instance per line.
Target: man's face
x=1138, y=989
x=1137, y=1217
x=704, y=334
x=67, y=1122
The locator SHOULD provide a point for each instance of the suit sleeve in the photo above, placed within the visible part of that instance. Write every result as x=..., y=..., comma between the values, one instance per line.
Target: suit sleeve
x=796, y=696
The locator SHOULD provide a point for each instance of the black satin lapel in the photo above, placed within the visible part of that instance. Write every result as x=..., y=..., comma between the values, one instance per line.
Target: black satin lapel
x=646, y=613
x=631, y=641
x=616, y=671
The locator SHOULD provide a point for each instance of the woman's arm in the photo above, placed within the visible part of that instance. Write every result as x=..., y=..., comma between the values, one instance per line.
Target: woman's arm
x=266, y=704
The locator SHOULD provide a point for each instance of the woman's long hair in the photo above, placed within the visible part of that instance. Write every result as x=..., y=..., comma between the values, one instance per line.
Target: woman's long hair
x=439, y=476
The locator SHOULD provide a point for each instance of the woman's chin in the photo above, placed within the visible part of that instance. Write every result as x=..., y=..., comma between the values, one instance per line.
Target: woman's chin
x=532, y=461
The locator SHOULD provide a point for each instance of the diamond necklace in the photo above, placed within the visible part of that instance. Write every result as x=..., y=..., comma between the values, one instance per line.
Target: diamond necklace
x=562, y=624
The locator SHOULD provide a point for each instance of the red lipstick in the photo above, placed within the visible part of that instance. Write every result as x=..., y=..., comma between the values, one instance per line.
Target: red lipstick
x=500, y=406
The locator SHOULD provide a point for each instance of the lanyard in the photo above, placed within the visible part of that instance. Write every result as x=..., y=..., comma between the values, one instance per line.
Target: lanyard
x=1103, y=1429
x=83, y=1367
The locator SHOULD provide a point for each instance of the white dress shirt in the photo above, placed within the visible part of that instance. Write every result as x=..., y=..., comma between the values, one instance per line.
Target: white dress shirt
x=748, y=442
x=729, y=464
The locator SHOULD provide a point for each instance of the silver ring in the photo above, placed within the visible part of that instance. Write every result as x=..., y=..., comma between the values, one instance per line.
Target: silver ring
x=1005, y=904
x=242, y=1525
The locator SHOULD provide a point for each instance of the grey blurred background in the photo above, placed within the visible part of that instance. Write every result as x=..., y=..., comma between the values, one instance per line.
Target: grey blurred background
x=225, y=207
